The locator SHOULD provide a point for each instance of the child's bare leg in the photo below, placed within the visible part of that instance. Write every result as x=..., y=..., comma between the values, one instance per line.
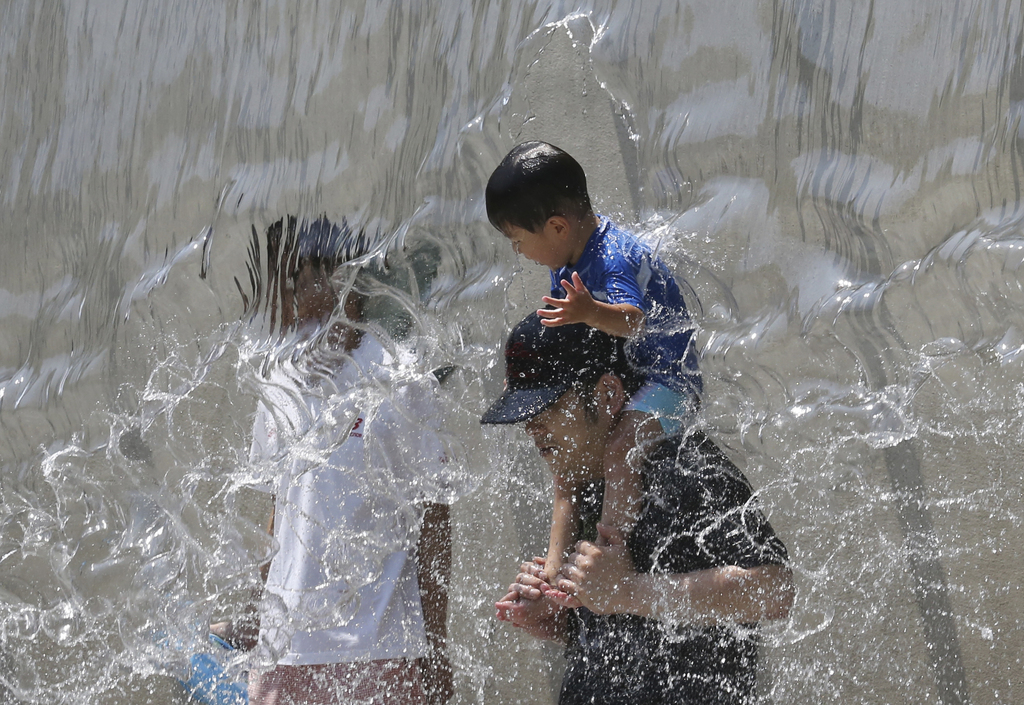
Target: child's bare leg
x=564, y=518
x=622, y=484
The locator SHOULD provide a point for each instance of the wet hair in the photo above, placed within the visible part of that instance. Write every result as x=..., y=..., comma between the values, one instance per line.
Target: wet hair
x=354, y=284
x=534, y=182
x=327, y=244
x=620, y=366
x=290, y=245
x=584, y=387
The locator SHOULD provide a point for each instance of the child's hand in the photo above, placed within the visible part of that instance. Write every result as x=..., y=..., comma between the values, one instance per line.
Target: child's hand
x=526, y=605
x=531, y=580
x=536, y=617
x=578, y=306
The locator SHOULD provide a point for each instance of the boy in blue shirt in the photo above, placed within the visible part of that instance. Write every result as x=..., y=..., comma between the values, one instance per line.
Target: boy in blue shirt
x=608, y=279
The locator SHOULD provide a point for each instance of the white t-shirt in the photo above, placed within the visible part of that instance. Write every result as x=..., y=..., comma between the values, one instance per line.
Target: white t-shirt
x=358, y=454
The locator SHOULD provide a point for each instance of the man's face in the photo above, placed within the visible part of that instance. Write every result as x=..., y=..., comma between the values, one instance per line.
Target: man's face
x=570, y=441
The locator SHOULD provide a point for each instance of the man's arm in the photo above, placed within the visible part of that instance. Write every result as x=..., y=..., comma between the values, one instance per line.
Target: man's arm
x=716, y=595
x=602, y=578
x=433, y=570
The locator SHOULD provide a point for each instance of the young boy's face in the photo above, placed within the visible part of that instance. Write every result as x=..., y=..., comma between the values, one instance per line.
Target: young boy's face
x=548, y=246
x=314, y=297
x=315, y=301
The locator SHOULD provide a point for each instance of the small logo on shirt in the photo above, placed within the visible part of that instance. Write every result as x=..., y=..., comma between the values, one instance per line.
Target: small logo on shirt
x=357, y=429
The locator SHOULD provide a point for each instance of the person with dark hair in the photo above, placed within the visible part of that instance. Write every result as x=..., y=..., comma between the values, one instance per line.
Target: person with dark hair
x=535, y=181
x=608, y=279
x=354, y=604
x=668, y=612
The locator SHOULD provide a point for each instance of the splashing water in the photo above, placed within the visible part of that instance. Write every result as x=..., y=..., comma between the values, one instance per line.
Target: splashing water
x=838, y=183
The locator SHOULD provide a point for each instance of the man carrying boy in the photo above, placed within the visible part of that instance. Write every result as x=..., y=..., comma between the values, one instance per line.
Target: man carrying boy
x=667, y=613
x=608, y=279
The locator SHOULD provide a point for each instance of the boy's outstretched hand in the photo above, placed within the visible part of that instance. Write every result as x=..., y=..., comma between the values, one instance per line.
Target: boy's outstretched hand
x=578, y=306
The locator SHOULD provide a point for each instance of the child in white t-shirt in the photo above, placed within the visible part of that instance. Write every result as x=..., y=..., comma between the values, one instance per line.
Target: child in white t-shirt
x=354, y=599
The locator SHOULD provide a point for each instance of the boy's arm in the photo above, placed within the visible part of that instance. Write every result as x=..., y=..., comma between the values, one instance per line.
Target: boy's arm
x=563, y=527
x=578, y=306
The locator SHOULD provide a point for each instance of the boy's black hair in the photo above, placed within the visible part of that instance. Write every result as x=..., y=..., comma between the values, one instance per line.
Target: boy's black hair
x=534, y=182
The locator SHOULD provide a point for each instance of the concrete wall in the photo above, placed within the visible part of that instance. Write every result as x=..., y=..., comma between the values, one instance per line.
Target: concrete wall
x=794, y=172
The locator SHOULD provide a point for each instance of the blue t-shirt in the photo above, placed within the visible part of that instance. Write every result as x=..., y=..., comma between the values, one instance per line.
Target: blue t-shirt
x=618, y=268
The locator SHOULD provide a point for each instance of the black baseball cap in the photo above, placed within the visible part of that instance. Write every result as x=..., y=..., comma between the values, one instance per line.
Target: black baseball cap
x=543, y=363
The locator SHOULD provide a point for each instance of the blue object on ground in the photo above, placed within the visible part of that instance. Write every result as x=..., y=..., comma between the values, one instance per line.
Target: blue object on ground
x=209, y=684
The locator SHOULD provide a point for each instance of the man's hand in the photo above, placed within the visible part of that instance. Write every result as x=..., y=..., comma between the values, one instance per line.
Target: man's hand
x=578, y=306
x=241, y=635
x=243, y=631
x=524, y=613
x=599, y=576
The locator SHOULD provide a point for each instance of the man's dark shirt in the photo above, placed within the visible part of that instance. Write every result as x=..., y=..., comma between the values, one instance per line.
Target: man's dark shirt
x=697, y=514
